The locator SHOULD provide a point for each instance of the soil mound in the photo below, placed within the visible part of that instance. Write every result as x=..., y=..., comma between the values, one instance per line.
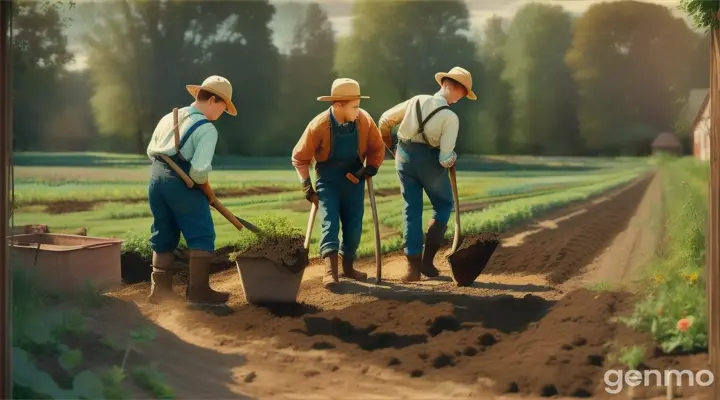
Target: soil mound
x=282, y=250
x=472, y=256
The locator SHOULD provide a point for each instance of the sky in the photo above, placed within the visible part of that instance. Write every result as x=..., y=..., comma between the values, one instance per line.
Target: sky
x=339, y=14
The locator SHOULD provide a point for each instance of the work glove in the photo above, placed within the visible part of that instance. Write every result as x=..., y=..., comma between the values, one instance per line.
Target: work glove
x=370, y=171
x=309, y=192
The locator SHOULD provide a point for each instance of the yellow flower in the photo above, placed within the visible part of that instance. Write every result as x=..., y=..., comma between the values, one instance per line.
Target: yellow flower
x=691, y=278
x=658, y=278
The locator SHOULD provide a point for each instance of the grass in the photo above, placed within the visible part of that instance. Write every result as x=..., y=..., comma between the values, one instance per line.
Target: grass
x=673, y=307
x=515, y=188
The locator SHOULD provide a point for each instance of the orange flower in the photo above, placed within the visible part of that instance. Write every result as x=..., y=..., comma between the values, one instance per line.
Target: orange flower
x=683, y=325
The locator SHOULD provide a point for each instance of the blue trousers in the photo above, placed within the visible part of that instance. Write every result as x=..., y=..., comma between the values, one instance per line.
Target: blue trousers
x=177, y=209
x=340, y=201
x=418, y=169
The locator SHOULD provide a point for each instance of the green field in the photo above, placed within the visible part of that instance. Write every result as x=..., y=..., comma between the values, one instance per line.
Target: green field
x=113, y=188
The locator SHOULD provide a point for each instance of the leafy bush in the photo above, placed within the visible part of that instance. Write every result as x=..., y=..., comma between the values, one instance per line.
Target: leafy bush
x=673, y=308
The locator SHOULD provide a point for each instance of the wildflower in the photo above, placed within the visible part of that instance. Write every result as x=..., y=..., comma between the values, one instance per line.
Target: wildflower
x=658, y=278
x=683, y=324
x=691, y=278
x=659, y=310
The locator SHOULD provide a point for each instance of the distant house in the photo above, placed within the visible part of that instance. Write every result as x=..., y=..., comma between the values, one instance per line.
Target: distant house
x=666, y=142
x=700, y=127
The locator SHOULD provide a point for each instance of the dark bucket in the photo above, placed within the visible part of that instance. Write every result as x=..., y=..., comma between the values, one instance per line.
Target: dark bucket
x=472, y=256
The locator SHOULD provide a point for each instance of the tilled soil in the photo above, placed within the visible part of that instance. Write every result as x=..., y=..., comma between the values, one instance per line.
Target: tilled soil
x=71, y=206
x=513, y=331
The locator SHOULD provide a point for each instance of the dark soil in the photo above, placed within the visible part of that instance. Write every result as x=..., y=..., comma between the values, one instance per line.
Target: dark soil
x=69, y=206
x=387, y=192
x=472, y=256
x=562, y=253
x=287, y=251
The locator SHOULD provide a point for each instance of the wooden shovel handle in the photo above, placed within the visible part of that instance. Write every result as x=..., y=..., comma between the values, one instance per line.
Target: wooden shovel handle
x=453, y=184
x=310, y=224
x=207, y=190
x=376, y=224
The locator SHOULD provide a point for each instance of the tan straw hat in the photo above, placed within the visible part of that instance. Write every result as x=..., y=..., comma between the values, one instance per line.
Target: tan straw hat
x=462, y=76
x=343, y=89
x=219, y=86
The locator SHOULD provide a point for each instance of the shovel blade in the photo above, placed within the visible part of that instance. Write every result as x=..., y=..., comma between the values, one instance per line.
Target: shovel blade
x=472, y=256
x=248, y=225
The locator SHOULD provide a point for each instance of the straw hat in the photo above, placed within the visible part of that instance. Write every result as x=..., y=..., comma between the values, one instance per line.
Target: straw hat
x=219, y=86
x=343, y=89
x=462, y=76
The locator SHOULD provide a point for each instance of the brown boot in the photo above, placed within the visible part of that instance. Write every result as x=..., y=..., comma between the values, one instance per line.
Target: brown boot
x=414, y=264
x=198, y=290
x=350, y=272
x=331, y=270
x=433, y=241
x=161, y=278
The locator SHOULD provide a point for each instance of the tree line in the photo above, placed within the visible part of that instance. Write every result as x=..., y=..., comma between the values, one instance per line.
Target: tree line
x=549, y=83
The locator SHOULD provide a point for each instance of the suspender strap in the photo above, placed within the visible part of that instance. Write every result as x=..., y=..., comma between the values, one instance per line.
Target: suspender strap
x=422, y=122
x=176, y=132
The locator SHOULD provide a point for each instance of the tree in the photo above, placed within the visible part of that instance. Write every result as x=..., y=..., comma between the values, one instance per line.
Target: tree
x=143, y=53
x=495, y=117
x=397, y=46
x=630, y=61
x=543, y=92
x=39, y=54
x=308, y=72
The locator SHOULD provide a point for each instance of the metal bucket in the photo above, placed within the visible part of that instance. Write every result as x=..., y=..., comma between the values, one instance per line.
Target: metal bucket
x=66, y=263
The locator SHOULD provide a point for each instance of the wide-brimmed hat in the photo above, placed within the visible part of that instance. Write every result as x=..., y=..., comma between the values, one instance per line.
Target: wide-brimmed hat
x=343, y=89
x=462, y=76
x=219, y=86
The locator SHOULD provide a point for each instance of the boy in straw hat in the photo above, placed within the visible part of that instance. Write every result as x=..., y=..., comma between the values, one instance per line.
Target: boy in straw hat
x=176, y=208
x=426, y=135
x=340, y=139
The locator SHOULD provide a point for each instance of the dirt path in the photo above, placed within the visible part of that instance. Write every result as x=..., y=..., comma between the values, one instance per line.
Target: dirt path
x=523, y=327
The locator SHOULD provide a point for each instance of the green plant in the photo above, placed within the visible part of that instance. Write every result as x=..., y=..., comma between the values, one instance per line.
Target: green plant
x=152, y=380
x=632, y=357
x=673, y=306
x=274, y=230
x=703, y=12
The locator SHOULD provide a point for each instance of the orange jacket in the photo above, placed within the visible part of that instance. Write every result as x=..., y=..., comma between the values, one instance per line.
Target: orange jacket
x=315, y=143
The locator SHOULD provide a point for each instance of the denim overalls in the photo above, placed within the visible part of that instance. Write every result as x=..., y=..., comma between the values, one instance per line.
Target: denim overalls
x=176, y=208
x=418, y=169
x=339, y=199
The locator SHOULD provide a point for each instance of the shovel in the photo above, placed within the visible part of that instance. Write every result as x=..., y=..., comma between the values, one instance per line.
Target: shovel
x=468, y=262
x=239, y=223
x=354, y=178
x=310, y=224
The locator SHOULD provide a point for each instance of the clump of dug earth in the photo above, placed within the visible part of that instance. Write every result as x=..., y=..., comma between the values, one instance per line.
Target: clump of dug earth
x=279, y=242
x=472, y=256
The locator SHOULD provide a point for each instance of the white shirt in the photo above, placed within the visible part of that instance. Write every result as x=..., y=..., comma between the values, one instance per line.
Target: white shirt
x=441, y=130
x=199, y=149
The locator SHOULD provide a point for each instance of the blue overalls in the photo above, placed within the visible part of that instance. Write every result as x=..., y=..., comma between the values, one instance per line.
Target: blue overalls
x=176, y=208
x=418, y=169
x=340, y=200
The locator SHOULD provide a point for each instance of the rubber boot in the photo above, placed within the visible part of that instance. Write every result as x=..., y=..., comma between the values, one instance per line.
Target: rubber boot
x=433, y=241
x=161, y=278
x=414, y=264
x=198, y=289
x=331, y=270
x=350, y=272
